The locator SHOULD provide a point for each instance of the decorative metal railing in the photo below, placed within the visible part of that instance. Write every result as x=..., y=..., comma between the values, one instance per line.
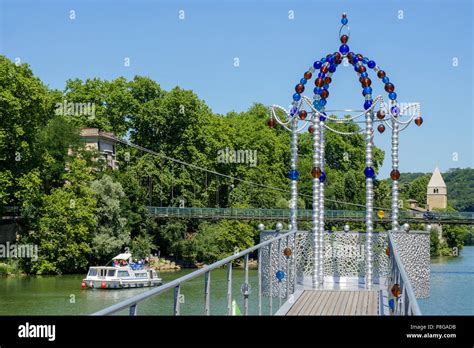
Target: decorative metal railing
x=403, y=300
x=282, y=273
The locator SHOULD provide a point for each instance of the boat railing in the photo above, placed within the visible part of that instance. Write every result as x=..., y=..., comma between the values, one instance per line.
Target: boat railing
x=279, y=244
x=405, y=303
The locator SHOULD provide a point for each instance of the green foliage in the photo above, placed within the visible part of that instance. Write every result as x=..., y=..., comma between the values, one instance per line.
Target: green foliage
x=142, y=246
x=66, y=221
x=112, y=234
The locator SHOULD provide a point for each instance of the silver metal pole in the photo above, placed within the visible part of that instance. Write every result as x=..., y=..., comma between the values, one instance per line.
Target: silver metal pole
x=294, y=183
x=369, y=196
x=270, y=278
x=395, y=224
x=246, y=282
x=315, y=214
x=207, y=293
x=321, y=209
x=259, y=281
x=176, y=300
x=229, y=288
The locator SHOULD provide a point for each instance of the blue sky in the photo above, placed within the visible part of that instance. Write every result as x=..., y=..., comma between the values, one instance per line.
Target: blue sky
x=417, y=52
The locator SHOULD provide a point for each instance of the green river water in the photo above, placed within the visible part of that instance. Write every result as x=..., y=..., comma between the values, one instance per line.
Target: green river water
x=452, y=283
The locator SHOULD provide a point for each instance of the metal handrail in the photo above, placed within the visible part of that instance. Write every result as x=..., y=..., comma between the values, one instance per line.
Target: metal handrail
x=132, y=302
x=409, y=304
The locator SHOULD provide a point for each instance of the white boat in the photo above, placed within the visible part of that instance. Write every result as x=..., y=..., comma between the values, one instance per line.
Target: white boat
x=121, y=277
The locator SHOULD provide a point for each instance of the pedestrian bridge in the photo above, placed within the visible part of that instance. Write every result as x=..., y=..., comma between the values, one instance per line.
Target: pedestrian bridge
x=286, y=285
x=304, y=215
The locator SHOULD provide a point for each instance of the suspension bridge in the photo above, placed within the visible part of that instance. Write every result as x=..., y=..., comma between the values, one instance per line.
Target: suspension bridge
x=320, y=272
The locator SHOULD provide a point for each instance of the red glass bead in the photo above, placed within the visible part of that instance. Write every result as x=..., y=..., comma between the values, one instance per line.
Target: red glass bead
x=338, y=61
x=395, y=174
x=419, y=121
x=311, y=129
x=344, y=38
x=328, y=80
x=324, y=94
x=360, y=79
x=316, y=172
x=324, y=69
x=337, y=55
x=350, y=54
x=362, y=69
x=381, y=74
x=380, y=114
x=381, y=128
x=360, y=56
x=319, y=82
x=271, y=123
x=303, y=114
x=366, y=82
x=307, y=75
x=299, y=88
x=389, y=87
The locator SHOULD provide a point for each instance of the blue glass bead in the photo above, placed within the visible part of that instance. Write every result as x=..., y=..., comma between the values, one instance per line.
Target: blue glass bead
x=322, y=102
x=322, y=116
x=365, y=60
x=371, y=64
x=344, y=49
x=317, y=64
x=344, y=21
x=356, y=67
x=331, y=59
x=317, y=90
x=367, y=90
x=322, y=75
x=280, y=275
x=318, y=107
x=364, y=74
x=293, y=111
x=326, y=86
x=369, y=172
x=385, y=79
x=395, y=110
x=322, y=177
x=293, y=174
x=303, y=81
x=367, y=104
x=392, y=96
x=332, y=68
x=296, y=96
x=323, y=60
x=355, y=59
x=315, y=104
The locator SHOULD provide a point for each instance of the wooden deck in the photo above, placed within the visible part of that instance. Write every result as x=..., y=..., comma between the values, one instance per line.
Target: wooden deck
x=340, y=302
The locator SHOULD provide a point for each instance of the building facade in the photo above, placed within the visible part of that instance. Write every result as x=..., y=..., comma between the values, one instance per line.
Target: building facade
x=437, y=193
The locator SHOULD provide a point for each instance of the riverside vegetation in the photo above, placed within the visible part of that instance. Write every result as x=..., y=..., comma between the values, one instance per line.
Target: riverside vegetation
x=79, y=212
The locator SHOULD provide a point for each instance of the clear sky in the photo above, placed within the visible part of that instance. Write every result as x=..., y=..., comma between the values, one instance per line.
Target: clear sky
x=426, y=48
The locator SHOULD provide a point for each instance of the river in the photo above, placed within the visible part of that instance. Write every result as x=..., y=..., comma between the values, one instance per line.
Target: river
x=452, y=284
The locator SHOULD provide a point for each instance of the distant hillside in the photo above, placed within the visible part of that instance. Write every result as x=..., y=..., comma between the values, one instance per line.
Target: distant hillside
x=460, y=183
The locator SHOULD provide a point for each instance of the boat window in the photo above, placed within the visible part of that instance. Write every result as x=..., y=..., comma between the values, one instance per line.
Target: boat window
x=122, y=274
x=110, y=273
x=92, y=272
x=103, y=272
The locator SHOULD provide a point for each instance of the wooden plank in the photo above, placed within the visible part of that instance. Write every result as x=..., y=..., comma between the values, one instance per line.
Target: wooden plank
x=343, y=303
x=360, y=303
x=309, y=305
x=331, y=302
x=314, y=303
x=322, y=302
x=338, y=303
x=294, y=310
x=373, y=302
x=353, y=305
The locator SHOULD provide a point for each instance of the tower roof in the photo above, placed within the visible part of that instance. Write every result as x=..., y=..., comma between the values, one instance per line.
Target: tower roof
x=436, y=179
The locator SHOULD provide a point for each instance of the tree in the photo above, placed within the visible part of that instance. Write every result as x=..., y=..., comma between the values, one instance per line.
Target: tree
x=112, y=233
x=64, y=227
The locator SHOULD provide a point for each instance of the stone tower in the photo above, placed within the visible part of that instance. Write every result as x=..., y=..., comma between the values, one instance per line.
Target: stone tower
x=437, y=194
